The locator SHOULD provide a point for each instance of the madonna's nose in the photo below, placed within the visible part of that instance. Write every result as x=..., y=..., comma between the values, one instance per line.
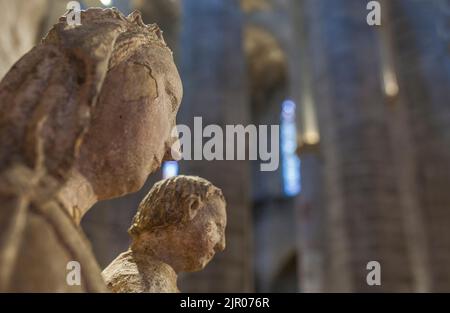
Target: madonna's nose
x=173, y=151
x=220, y=246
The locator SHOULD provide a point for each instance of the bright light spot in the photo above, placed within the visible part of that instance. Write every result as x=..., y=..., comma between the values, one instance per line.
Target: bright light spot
x=290, y=160
x=106, y=2
x=170, y=169
x=311, y=138
x=310, y=133
x=390, y=83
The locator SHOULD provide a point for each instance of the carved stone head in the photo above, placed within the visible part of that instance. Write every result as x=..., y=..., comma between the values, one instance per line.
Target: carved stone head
x=131, y=126
x=100, y=98
x=182, y=222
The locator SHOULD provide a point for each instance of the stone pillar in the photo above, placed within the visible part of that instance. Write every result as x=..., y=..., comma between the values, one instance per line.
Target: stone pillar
x=309, y=205
x=267, y=40
x=310, y=226
x=213, y=74
x=363, y=218
x=422, y=31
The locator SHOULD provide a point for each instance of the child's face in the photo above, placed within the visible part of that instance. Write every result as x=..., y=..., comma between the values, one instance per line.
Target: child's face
x=195, y=243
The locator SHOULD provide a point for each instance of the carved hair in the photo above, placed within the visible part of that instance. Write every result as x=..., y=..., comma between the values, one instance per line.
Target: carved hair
x=170, y=203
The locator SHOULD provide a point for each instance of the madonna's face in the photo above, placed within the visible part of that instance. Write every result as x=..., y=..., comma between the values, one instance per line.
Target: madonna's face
x=132, y=122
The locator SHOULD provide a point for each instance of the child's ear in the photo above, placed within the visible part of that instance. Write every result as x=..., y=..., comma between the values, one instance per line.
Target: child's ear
x=194, y=205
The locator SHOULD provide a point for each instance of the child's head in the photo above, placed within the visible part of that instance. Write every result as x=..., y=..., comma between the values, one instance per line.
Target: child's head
x=182, y=220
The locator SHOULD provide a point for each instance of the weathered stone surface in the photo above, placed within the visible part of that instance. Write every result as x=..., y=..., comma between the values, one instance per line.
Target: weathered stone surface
x=179, y=227
x=86, y=115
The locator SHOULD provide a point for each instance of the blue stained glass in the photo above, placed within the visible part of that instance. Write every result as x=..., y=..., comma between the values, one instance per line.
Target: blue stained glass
x=290, y=160
x=170, y=169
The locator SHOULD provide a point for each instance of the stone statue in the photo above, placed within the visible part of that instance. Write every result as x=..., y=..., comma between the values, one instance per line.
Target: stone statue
x=179, y=227
x=86, y=115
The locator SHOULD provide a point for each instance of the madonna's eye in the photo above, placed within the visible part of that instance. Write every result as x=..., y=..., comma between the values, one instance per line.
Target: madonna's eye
x=220, y=227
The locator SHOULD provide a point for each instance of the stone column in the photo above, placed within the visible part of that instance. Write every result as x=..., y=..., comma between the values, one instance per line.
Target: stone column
x=309, y=205
x=213, y=74
x=267, y=39
x=422, y=31
x=363, y=218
